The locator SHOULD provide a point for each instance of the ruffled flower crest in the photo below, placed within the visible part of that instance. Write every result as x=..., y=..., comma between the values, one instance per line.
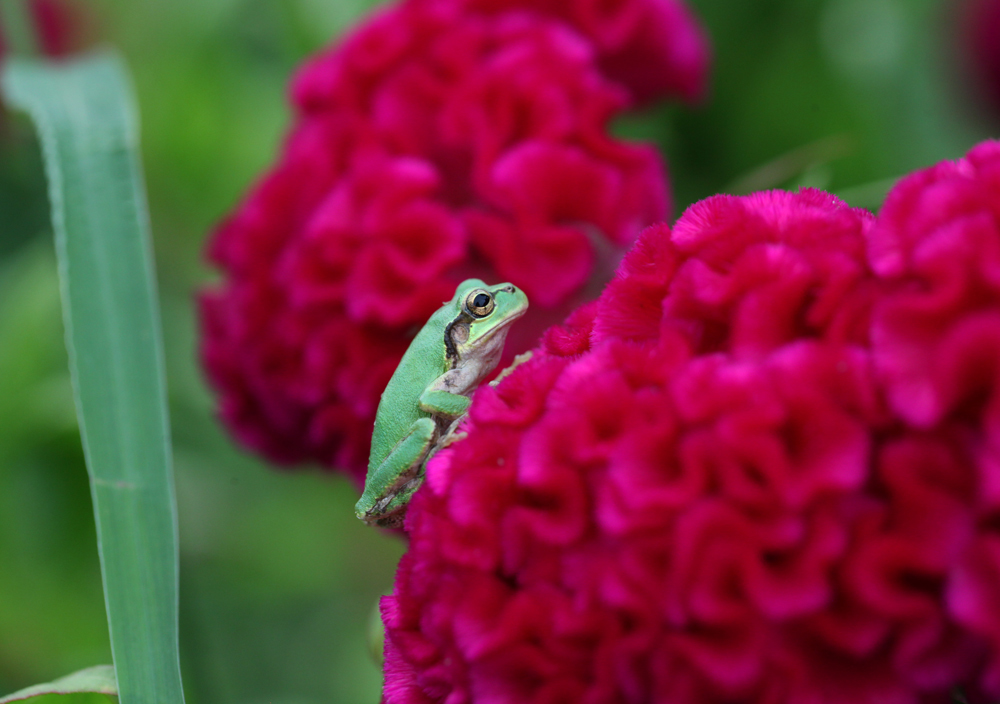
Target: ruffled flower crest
x=704, y=486
x=440, y=140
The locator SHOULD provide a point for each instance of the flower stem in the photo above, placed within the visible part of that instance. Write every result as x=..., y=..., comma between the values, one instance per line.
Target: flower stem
x=18, y=28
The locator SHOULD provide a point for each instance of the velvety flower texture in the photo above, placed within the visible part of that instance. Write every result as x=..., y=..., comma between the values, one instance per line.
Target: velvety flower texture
x=936, y=339
x=441, y=140
x=722, y=482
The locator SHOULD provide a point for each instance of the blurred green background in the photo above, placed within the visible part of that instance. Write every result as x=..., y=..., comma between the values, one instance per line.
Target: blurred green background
x=278, y=578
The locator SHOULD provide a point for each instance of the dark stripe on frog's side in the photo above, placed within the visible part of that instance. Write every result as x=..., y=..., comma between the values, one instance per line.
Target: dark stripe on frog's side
x=450, y=351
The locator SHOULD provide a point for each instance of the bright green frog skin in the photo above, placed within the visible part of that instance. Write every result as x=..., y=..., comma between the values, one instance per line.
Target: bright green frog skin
x=430, y=391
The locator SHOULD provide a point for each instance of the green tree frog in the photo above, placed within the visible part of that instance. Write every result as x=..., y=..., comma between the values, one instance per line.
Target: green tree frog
x=430, y=391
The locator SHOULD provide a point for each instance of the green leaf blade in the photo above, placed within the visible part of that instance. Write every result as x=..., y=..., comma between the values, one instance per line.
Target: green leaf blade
x=85, y=116
x=97, y=680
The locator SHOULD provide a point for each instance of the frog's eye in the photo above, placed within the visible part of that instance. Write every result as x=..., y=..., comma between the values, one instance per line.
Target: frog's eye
x=480, y=303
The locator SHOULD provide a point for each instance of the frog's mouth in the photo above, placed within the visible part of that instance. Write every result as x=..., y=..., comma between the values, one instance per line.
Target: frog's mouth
x=504, y=324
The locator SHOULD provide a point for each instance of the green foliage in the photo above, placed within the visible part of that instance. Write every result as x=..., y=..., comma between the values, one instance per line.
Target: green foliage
x=879, y=78
x=86, y=119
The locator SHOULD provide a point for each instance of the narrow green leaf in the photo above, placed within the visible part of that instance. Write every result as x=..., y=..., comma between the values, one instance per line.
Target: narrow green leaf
x=791, y=165
x=85, y=116
x=99, y=680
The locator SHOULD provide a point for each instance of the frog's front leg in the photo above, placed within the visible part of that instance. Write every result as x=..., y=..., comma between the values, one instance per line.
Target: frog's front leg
x=389, y=487
x=444, y=404
x=448, y=408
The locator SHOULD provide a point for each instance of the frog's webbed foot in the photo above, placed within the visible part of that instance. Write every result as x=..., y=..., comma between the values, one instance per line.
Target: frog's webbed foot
x=388, y=489
x=451, y=435
x=451, y=439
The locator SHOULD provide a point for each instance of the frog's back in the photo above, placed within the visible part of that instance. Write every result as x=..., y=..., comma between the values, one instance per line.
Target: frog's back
x=423, y=362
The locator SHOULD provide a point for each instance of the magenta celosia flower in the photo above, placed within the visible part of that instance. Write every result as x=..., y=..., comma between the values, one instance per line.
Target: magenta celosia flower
x=978, y=45
x=440, y=140
x=936, y=338
x=937, y=334
x=698, y=489
x=59, y=27
x=633, y=41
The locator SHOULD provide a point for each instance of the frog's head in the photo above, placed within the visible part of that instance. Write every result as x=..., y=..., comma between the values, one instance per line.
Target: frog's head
x=483, y=315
